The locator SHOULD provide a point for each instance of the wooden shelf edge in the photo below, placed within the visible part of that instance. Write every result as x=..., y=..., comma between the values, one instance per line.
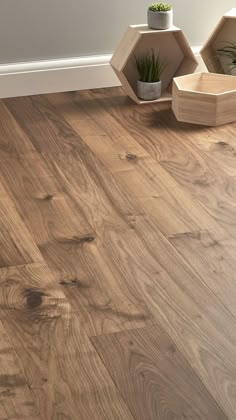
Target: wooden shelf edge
x=166, y=97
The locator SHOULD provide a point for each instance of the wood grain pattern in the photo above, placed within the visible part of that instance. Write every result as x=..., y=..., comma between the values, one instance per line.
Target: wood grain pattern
x=118, y=222
x=16, y=244
x=69, y=243
x=147, y=260
x=176, y=147
x=16, y=399
x=222, y=151
x=57, y=227
x=211, y=259
x=140, y=174
x=63, y=371
x=13, y=141
x=37, y=121
x=153, y=376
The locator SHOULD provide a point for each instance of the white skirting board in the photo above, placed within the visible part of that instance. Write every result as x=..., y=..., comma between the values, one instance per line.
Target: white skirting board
x=67, y=74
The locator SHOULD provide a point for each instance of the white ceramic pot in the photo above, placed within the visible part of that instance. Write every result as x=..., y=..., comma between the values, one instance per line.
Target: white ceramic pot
x=160, y=20
x=149, y=91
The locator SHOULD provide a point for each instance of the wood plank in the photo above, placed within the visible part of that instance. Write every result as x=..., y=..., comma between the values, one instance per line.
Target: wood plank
x=160, y=196
x=16, y=400
x=103, y=297
x=64, y=373
x=147, y=125
x=16, y=244
x=212, y=187
x=13, y=141
x=207, y=252
x=175, y=146
x=31, y=114
x=220, y=145
x=153, y=377
x=70, y=246
x=190, y=313
x=176, y=296
x=50, y=216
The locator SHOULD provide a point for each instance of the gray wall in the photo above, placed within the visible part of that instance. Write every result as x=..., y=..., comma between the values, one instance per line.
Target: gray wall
x=44, y=29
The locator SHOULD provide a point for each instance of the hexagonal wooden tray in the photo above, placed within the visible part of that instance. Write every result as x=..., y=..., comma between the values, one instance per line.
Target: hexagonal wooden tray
x=224, y=32
x=205, y=98
x=173, y=48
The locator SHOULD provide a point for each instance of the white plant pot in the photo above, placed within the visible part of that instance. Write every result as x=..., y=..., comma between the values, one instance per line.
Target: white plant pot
x=149, y=91
x=160, y=20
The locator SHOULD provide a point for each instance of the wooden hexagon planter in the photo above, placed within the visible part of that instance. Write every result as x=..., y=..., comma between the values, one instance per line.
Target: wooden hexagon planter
x=205, y=98
x=224, y=32
x=173, y=48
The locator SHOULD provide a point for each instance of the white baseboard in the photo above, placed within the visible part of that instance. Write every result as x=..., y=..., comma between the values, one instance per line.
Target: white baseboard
x=31, y=78
x=67, y=74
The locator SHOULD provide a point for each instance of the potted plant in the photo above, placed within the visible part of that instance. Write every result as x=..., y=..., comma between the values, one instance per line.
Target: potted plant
x=229, y=51
x=150, y=68
x=160, y=16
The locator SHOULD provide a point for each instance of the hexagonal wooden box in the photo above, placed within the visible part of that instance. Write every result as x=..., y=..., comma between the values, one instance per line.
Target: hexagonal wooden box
x=205, y=98
x=173, y=48
x=224, y=32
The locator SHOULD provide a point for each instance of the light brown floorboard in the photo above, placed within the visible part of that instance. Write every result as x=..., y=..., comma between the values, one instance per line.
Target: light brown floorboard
x=62, y=369
x=153, y=377
x=16, y=399
x=13, y=140
x=208, y=253
x=178, y=148
x=173, y=209
x=70, y=245
x=16, y=244
x=101, y=239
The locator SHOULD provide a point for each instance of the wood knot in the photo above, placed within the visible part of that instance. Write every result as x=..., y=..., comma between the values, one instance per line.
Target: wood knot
x=79, y=240
x=48, y=197
x=222, y=143
x=75, y=283
x=80, y=284
x=131, y=156
x=84, y=239
x=8, y=381
x=34, y=297
x=63, y=283
x=87, y=238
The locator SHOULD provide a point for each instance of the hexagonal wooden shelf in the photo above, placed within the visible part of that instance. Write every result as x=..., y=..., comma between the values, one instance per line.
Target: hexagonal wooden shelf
x=224, y=32
x=173, y=48
x=205, y=98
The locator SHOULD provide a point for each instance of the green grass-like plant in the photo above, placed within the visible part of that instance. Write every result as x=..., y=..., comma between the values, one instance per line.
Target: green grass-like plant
x=160, y=7
x=149, y=67
x=229, y=51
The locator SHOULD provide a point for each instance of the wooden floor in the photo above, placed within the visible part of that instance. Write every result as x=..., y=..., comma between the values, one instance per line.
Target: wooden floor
x=117, y=261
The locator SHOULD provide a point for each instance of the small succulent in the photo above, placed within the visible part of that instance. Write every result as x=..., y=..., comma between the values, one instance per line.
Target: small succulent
x=160, y=7
x=149, y=67
x=229, y=51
